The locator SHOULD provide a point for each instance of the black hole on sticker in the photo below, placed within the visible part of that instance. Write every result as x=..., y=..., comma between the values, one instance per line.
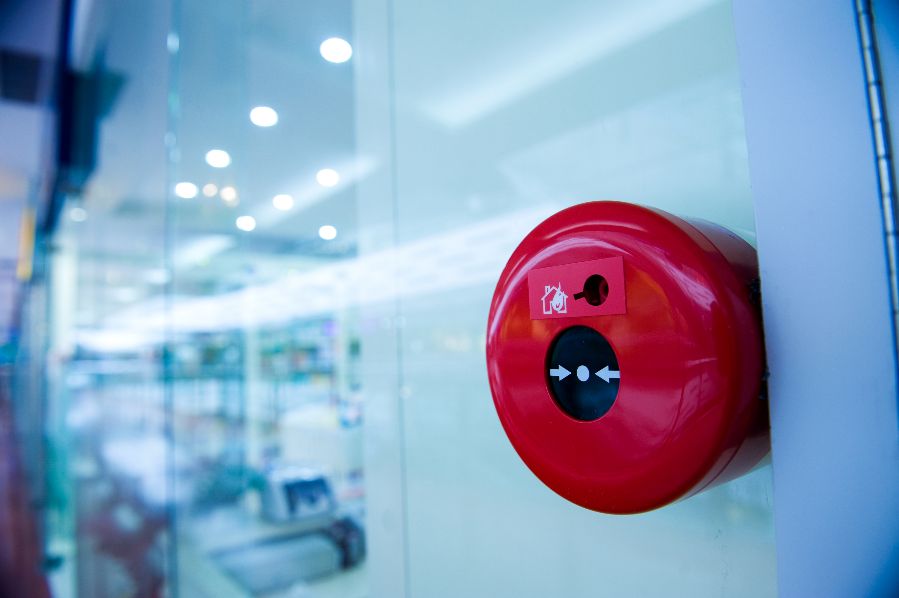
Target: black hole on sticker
x=596, y=290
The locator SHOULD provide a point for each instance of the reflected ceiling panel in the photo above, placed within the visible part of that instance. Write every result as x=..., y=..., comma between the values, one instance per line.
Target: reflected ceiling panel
x=516, y=67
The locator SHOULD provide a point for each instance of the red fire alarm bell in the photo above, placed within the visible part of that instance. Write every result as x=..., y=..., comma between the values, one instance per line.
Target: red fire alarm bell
x=625, y=356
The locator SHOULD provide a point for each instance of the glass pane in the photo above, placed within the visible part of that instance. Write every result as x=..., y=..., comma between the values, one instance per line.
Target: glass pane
x=107, y=448
x=267, y=396
x=503, y=113
x=268, y=305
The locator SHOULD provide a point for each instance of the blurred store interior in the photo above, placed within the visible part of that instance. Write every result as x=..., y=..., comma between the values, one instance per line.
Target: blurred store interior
x=247, y=251
x=143, y=177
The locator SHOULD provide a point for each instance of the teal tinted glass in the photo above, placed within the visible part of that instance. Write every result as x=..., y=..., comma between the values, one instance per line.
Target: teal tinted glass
x=271, y=307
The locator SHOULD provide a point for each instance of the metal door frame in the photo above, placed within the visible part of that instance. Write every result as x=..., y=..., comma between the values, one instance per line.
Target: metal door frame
x=825, y=275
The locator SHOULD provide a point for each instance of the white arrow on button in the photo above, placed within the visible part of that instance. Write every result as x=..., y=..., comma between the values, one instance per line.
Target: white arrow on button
x=560, y=372
x=606, y=373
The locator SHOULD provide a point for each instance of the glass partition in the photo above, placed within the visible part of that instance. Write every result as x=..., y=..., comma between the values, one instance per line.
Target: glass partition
x=267, y=398
x=269, y=302
x=502, y=113
x=109, y=495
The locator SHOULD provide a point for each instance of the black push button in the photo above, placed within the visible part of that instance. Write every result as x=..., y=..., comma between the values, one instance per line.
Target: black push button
x=582, y=373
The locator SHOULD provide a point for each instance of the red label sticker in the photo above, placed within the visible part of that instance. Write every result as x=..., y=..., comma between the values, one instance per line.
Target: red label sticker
x=594, y=288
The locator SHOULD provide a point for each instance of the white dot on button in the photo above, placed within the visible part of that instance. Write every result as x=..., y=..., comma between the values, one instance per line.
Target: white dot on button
x=583, y=373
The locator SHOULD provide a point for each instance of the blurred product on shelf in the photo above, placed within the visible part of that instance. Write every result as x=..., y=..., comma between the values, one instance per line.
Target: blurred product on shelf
x=294, y=493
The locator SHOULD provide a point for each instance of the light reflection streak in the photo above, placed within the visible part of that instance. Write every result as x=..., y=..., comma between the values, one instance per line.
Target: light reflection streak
x=539, y=64
x=461, y=258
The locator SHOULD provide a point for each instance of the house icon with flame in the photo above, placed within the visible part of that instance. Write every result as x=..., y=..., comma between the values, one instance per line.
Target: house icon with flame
x=554, y=300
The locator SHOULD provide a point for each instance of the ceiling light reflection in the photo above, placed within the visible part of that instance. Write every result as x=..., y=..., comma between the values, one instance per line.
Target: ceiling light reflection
x=306, y=191
x=229, y=195
x=336, y=50
x=327, y=232
x=327, y=177
x=218, y=158
x=78, y=214
x=172, y=42
x=246, y=223
x=263, y=116
x=186, y=190
x=209, y=190
x=282, y=202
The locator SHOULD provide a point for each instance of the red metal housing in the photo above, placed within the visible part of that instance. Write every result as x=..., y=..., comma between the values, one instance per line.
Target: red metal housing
x=688, y=413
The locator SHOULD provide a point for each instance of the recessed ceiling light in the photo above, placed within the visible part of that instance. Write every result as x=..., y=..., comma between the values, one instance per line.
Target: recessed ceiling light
x=186, y=190
x=336, y=50
x=327, y=177
x=78, y=214
x=218, y=158
x=282, y=202
x=209, y=189
x=246, y=223
x=228, y=194
x=327, y=232
x=263, y=116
